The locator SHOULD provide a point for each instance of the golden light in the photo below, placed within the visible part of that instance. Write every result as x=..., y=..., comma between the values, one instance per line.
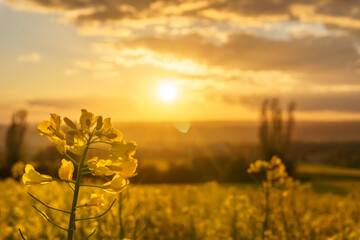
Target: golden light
x=167, y=92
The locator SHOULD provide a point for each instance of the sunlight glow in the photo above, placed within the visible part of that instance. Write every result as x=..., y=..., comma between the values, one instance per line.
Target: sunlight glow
x=167, y=92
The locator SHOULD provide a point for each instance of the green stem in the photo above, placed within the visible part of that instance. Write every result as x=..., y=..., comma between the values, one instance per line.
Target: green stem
x=89, y=218
x=22, y=236
x=48, y=219
x=71, y=159
x=267, y=210
x=63, y=180
x=89, y=185
x=102, y=142
x=88, y=237
x=72, y=188
x=56, y=209
x=72, y=225
x=121, y=225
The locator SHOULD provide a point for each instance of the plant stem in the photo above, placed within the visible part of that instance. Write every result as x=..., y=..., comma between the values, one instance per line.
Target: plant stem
x=22, y=236
x=121, y=225
x=283, y=216
x=56, y=209
x=267, y=210
x=76, y=192
x=89, y=218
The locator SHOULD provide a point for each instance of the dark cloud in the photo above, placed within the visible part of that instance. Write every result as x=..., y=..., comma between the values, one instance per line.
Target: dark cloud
x=93, y=102
x=111, y=10
x=320, y=59
x=333, y=101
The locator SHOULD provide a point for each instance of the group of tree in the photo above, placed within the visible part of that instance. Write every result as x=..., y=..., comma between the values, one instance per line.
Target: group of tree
x=13, y=143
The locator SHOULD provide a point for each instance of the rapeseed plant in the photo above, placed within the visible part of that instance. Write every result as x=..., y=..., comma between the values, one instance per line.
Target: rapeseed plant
x=272, y=173
x=92, y=133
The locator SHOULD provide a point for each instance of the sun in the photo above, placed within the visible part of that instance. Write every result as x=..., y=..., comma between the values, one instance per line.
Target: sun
x=167, y=92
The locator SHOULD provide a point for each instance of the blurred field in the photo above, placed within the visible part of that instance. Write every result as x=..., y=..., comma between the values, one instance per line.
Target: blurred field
x=330, y=179
x=197, y=211
x=313, y=170
x=325, y=206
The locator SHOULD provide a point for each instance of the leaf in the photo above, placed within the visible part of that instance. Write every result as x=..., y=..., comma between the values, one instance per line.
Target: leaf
x=111, y=135
x=72, y=132
x=70, y=123
x=99, y=123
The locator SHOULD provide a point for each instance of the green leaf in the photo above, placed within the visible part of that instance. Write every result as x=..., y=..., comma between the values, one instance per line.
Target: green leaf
x=70, y=123
x=72, y=132
x=99, y=123
x=111, y=135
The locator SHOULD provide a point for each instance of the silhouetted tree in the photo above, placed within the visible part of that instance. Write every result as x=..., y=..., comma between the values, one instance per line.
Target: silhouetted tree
x=275, y=134
x=14, y=141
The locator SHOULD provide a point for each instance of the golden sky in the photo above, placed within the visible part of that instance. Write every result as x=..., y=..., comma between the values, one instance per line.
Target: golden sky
x=223, y=57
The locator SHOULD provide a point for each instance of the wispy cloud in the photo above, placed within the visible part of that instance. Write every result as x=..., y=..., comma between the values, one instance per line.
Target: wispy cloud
x=29, y=58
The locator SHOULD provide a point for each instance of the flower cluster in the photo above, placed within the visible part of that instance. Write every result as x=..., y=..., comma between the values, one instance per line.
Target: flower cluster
x=121, y=164
x=91, y=133
x=272, y=172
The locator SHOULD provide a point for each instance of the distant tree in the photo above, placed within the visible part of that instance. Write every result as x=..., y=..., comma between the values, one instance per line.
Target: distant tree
x=14, y=141
x=275, y=135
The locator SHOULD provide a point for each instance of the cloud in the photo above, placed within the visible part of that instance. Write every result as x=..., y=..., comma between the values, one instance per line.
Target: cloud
x=215, y=19
x=305, y=101
x=122, y=107
x=96, y=102
x=93, y=65
x=70, y=72
x=299, y=49
x=340, y=15
x=319, y=59
x=29, y=58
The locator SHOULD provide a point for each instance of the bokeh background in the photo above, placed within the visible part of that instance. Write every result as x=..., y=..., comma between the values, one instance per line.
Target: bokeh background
x=205, y=88
x=234, y=70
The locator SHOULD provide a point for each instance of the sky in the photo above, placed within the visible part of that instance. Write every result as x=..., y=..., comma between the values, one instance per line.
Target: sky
x=222, y=58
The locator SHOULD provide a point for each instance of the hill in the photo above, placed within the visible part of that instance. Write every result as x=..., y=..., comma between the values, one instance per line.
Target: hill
x=164, y=135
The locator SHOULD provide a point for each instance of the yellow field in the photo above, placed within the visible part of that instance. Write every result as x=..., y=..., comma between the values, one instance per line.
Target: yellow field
x=204, y=211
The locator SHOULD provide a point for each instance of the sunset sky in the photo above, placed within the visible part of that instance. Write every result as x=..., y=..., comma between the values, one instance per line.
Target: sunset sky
x=220, y=57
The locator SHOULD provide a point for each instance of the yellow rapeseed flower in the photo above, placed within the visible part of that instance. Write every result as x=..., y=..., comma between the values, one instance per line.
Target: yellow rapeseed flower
x=78, y=146
x=100, y=166
x=116, y=185
x=52, y=127
x=95, y=201
x=107, y=132
x=33, y=177
x=258, y=166
x=275, y=161
x=87, y=120
x=66, y=170
x=60, y=144
x=123, y=148
x=125, y=168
